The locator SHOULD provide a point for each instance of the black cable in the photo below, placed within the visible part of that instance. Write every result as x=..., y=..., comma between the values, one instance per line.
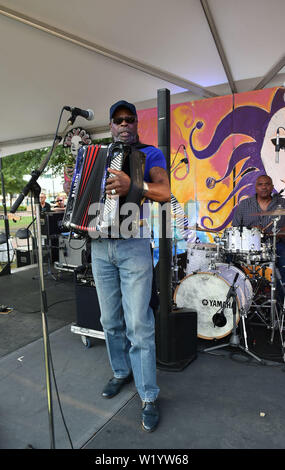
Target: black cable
x=52, y=367
x=173, y=161
x=49, y=306
x=54, y=379
x=78, y=248
x=236, y=356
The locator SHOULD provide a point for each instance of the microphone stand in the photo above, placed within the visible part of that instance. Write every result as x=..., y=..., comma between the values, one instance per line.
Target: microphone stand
x=33, y=187
x=7, y=267
x=235, y=339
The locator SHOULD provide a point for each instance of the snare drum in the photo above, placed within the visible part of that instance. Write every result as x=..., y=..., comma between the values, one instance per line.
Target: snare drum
x=206, y=292
x=242, y=240
x=200, y=256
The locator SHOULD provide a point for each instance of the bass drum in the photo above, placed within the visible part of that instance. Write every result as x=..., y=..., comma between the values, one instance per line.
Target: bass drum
x=206, y=292
x=181, y=266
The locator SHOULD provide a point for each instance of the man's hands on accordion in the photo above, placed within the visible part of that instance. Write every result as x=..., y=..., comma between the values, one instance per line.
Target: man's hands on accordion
x=118, y=184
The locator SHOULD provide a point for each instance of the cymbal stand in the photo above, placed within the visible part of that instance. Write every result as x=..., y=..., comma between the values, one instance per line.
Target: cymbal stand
x=260, y=300
x=273, y=303
x=235, y=338
x=280, y=320
x=276, y=317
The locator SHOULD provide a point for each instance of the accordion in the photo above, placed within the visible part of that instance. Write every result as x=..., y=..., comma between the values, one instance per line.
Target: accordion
x=89, y=212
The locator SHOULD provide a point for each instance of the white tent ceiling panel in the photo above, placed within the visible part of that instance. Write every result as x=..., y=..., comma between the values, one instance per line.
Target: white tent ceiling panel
x=252, y=33
x=128, y=50
x=169, y=35
x=46, y=74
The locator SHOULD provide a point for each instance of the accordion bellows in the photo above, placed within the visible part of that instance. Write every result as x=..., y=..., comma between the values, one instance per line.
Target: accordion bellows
x=89, y=210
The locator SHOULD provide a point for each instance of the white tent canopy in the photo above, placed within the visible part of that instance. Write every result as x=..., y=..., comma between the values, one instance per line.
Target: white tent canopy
x=92, y=53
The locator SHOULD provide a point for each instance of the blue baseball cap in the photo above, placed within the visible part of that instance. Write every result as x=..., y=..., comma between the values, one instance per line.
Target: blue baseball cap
x=122, y=104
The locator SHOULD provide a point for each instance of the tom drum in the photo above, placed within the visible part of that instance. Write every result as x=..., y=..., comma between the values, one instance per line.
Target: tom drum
x=200, y=256
x=242, y=240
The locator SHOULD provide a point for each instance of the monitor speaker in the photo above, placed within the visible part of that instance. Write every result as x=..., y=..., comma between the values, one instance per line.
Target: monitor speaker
x=87, y=307
x=182, y=340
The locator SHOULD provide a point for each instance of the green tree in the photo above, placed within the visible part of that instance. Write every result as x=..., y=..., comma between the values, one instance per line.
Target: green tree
x=16, y=166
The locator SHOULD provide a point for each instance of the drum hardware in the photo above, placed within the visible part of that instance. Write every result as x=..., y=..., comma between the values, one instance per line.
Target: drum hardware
x=276, y=314
x=273, y=303
x=260, y=299
x=281, y=319
x=219, y=320
x=276, y=310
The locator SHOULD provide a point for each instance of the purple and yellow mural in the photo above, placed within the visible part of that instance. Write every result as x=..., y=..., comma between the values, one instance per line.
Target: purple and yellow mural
x=228, y=144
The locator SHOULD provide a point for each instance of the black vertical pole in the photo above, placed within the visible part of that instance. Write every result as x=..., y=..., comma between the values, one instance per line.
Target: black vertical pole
x=165, y=241
x=7, y=268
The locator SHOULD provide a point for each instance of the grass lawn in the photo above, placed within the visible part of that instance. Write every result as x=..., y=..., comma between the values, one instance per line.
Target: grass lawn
x=14, y=226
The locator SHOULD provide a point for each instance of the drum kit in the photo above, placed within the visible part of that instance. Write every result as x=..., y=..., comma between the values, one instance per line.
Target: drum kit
x=227, y=281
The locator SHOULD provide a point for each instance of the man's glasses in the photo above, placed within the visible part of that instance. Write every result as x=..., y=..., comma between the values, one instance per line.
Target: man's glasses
x=59, y=200
x=127, y=119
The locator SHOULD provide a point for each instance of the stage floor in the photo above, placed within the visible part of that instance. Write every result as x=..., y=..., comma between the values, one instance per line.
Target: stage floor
x=223, y=400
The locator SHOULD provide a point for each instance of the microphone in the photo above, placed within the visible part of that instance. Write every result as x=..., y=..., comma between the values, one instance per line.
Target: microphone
x=277, y=147
x=219, y=319
x=186, y=159
x=87, y=114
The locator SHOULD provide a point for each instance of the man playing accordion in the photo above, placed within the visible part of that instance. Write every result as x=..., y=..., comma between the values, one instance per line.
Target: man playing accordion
x=123, y=271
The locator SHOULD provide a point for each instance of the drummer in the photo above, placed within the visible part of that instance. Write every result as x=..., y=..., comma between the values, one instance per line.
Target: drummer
x=246, y=215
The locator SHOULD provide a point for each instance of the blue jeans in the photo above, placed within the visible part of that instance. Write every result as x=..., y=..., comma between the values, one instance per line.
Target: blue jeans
x=122, y=270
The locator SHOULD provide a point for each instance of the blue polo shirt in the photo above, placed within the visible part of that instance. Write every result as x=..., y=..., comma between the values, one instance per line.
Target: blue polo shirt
x=154, y=157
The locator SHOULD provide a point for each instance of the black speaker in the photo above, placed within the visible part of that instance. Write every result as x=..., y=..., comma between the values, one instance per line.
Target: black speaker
x=23, y=258
x=51, y=223
x=87, y=307
x=165, y=243
x=163, y=124
x=182, y=340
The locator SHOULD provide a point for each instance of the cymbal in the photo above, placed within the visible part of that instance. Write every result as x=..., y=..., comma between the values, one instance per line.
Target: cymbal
x=200, y=229
x=274, y=212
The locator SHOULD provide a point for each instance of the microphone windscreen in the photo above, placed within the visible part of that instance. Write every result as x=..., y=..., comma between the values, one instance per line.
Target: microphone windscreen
x=90, y=114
